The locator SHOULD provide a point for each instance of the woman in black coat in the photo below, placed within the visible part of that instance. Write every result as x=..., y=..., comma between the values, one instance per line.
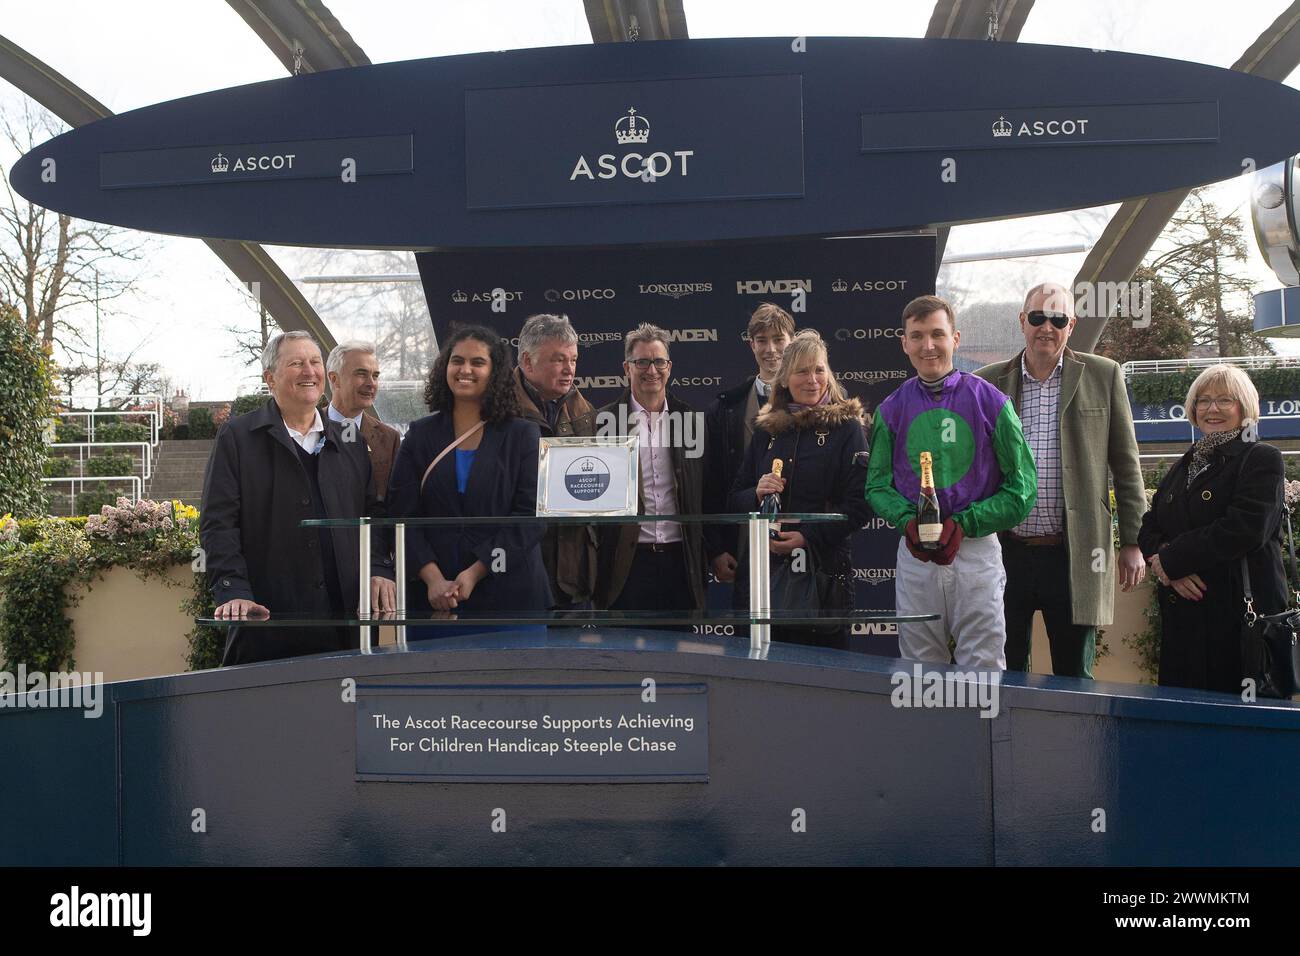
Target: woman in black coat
x=492, y=471
x=1223, y=500
x=819, y=433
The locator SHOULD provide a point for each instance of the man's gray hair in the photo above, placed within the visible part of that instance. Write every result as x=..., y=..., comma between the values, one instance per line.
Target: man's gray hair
x=271, y=354
x=539, y=329
x=339, y=354
x=645, y=332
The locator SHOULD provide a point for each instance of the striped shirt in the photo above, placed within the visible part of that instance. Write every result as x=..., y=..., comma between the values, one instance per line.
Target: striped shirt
x=1039, y=402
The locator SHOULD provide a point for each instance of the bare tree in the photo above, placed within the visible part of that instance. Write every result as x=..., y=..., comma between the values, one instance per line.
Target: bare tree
x=50, y=262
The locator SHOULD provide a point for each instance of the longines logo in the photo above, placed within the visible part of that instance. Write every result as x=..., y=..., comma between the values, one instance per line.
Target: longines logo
x=845, y=335
x=633, y=130
x=460, y=297
x=874, y=375
x=769, y=286
x=869, y=285
x=675, y=289
x=596, y=338
x=1003, y=129
x=873, y=576
x=245, y=164
x=577, y=295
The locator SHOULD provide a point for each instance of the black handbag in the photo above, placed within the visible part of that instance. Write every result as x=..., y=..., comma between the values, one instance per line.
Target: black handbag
x=1269, y=651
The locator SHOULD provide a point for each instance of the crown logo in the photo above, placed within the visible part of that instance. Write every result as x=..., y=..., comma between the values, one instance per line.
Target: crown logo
x=220, y=164
x=459, y=296
x=839, y=285
x=1001, y=128
x=632, y=128
x=587, y=465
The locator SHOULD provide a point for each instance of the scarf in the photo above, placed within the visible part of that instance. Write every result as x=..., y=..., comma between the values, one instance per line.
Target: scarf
x=793, y=407
x=1204, y=447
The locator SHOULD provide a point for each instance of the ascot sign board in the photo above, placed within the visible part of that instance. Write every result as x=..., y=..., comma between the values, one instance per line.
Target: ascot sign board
x=672, y=141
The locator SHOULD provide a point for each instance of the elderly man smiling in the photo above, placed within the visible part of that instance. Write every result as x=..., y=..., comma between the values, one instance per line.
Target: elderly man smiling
x=270, y=470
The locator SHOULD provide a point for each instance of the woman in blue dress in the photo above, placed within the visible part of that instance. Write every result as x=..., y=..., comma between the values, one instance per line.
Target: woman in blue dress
x=472, y=457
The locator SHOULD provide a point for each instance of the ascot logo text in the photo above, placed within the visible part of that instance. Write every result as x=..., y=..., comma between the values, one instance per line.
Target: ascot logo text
x=1003, y=129
x=633, y=129
x=248, y=164
x=869, y=285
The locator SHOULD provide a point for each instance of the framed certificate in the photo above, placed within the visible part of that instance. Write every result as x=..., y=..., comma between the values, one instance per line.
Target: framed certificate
x=588, y=476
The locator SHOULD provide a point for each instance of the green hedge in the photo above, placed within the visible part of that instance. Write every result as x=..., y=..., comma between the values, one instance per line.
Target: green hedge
x=59, y=467
x=201, y=424
x=91, y=500
x=121, y=431
x=1157, y=388
x=247, y=403
x=70, y=430
x=116, y=464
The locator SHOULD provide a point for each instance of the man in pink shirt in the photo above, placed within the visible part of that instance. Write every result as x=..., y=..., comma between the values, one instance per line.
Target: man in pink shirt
x=655, y=566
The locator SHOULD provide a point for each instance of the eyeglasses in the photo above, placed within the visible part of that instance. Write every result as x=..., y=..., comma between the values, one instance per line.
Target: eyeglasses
x=1204, y=404
x=1058, y=319
x=644, y=363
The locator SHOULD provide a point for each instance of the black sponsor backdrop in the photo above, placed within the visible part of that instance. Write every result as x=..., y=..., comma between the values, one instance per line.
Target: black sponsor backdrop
x=852, y=290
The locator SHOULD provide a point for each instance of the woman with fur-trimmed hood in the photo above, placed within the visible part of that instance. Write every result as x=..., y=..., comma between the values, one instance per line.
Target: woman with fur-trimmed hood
x=819, y=433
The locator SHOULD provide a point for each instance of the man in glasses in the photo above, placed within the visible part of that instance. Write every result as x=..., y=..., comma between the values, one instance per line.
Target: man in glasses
x=655, y=566
x=1076, y=418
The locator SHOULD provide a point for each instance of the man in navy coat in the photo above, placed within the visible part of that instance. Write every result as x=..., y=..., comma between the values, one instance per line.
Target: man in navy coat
x=270, y=470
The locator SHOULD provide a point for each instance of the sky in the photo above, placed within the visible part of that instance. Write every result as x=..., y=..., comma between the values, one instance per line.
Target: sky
x=133, y=54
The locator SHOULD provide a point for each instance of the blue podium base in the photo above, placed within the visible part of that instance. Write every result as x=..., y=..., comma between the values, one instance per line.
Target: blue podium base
x=812, y=757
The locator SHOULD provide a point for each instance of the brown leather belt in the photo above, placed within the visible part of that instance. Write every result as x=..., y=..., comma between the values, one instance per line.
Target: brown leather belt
x=1042, y=541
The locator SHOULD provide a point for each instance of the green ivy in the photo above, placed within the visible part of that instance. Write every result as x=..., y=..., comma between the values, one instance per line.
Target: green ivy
x=1147, y=641
x=247, y=403
x=57, y=561
x=24, y=411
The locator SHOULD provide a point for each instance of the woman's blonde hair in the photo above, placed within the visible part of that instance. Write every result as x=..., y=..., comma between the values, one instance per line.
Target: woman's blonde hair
x=806, y=344
x=1230, y=379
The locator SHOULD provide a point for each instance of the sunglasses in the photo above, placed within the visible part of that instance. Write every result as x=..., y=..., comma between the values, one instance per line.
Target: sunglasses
x=1057, y=319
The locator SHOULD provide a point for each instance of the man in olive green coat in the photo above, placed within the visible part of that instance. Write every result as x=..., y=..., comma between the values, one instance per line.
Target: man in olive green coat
x=1076, y=417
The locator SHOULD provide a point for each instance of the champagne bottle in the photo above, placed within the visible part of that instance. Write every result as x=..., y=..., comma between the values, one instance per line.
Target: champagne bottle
x=929, y=523
x=771, y=504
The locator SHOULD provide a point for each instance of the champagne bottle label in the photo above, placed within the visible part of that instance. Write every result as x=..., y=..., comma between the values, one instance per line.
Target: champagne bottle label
x=929, y=523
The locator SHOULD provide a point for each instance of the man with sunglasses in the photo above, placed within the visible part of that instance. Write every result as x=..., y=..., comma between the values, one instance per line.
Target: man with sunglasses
x=655, y=566
x=1076, y=417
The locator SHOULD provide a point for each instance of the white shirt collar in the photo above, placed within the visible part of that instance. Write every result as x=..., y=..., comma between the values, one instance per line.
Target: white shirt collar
x=311, y=441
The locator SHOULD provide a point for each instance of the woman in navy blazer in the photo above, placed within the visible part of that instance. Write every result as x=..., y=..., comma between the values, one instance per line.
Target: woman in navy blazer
x=491, y=471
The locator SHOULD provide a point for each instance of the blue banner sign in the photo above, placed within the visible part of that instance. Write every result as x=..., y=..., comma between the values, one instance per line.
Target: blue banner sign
x=662, y=141
x=1133, y=124
x=299, y=159
x=667, y=142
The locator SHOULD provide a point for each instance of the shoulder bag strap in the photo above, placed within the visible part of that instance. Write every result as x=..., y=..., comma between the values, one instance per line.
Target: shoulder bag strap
x=443, y=454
